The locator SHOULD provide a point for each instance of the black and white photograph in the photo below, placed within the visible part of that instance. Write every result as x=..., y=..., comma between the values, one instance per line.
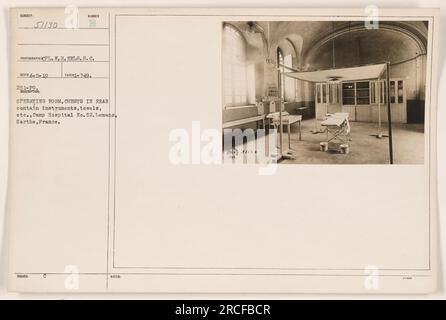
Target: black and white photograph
x=229, y=152
x=325, y=92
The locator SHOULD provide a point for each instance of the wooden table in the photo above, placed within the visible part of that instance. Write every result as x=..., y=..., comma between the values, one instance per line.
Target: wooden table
x=287, y=120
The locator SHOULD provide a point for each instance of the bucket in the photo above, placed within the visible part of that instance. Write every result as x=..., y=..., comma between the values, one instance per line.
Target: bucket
x=323, y=146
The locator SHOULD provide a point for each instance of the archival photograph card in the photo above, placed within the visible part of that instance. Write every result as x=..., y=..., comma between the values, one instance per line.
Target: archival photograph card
x=223, y=150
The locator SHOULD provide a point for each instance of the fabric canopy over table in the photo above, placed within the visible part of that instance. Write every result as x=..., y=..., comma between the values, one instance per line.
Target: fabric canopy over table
x=367, y=72
x=341, y=74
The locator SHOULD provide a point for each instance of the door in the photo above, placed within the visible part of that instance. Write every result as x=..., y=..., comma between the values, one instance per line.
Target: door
x=398, y=101
x=321, y=99
x=378, y=104
x=349, y=99
x=334, y=98
x=398, y=104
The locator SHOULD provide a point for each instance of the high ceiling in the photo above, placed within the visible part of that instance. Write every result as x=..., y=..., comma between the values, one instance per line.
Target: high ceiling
x=305, y=39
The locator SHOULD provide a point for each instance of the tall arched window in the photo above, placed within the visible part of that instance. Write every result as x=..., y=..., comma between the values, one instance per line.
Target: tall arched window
x=288, y=85
x=234, y=67
x=280, y=60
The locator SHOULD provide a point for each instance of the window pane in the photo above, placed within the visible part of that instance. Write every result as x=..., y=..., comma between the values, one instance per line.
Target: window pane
x=348, y=85
x=336, y=93
x=362, y=100
x=234, y=66
x=392, y=91
x=324, y=93
x=363, y=92
x=348, y=93
x=330, y=93
x=400, y=91
x=362, y=85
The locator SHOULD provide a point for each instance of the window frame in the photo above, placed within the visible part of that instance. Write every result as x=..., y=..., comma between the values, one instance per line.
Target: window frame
x=235, y=81
x=376, y=95
x=281, y=63
x=349, y=97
